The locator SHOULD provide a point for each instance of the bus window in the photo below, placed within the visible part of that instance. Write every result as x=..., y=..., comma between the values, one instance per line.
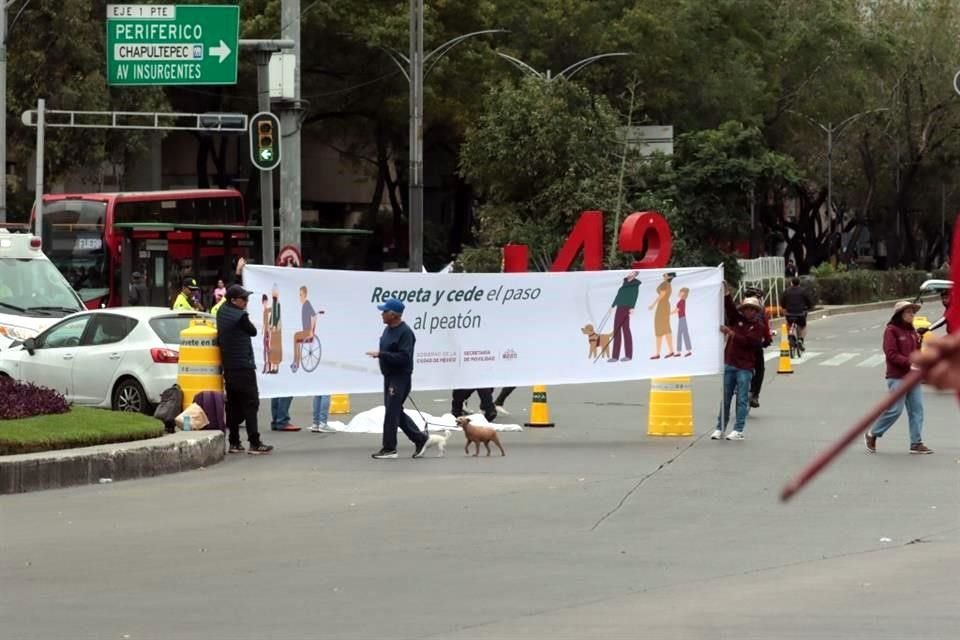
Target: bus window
x=73, y=239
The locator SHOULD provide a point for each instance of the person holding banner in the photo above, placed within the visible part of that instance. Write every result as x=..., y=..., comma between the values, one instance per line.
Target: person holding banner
x=745, y=334
x=396, y=364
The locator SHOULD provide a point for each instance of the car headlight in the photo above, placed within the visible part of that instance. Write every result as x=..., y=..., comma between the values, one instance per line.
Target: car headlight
x=16, y=333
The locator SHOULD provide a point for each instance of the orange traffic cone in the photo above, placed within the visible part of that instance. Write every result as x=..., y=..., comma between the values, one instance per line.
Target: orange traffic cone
x=786, y=366
x=539, y=411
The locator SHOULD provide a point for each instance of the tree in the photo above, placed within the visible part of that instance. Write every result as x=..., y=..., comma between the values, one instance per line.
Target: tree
x=710, y=181
x=56, y=52
x=539, y=156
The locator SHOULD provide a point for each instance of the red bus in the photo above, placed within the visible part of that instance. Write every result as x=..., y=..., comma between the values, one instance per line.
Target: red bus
x=171, y=234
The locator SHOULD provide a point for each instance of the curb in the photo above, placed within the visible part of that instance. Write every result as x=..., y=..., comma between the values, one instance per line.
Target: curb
x=826, y=312
x=110, y=462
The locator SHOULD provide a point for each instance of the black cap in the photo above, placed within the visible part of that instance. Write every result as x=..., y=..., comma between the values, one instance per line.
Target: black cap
x=191, y=283
x=236, y=291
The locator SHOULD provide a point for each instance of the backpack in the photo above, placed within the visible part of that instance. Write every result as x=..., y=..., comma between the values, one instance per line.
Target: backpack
x=171, y=405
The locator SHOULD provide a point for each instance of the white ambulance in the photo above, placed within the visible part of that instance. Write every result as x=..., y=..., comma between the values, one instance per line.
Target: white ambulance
x=33, y=294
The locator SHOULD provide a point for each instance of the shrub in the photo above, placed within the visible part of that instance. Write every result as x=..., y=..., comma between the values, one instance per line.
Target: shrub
x=861, y=286
x=24, y=400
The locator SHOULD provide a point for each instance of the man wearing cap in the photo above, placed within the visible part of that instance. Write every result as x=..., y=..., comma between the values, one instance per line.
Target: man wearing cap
x=744, y=332
x=900, y=342
x=396, y=365
x=234, y=333
x=185, y=299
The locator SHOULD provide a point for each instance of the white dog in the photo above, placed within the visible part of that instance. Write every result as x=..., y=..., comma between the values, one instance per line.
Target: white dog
x=438, y=440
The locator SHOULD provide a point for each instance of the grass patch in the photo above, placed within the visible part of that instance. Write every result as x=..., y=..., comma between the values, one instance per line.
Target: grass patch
x=81, y=427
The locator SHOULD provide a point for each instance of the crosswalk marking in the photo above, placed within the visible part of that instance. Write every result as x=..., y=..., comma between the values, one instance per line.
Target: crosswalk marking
x=872, y=361
x=838, y=359
x=869, y=360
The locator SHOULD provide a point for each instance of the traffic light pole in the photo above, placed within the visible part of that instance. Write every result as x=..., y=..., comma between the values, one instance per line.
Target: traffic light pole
x=290, y=121
x=266, y=177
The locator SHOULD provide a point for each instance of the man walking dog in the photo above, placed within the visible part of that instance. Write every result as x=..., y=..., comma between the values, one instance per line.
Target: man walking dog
x=396, y=365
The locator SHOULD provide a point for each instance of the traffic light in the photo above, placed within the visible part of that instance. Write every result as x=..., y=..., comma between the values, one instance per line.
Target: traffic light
x=265, y=141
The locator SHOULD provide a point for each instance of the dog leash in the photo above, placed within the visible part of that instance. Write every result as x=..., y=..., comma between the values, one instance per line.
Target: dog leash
x=426, y=423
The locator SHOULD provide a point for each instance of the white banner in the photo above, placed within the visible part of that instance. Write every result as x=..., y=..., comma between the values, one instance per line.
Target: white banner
x=483, y=330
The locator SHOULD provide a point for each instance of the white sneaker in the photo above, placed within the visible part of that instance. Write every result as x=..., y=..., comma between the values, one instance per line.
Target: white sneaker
x=735, y=435
x=315, y=428
x=322, y=427
x=501, y=410
x=716, y=435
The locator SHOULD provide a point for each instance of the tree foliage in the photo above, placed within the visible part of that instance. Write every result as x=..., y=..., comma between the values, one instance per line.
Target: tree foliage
x=741, y=81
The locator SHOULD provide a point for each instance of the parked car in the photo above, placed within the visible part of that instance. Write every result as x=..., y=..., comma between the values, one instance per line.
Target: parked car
x=118, y=358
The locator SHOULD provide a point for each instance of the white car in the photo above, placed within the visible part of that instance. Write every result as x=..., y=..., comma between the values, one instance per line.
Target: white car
x=117, y=358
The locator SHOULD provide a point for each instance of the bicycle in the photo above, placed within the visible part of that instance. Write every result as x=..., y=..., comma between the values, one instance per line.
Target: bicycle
x=795, y=339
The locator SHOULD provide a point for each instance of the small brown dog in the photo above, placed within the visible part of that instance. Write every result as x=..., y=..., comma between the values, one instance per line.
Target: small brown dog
x=599, y=342
x=476, y=434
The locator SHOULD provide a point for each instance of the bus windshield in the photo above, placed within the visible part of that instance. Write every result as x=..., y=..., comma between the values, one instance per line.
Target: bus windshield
x=34, y=288
x=73, y=240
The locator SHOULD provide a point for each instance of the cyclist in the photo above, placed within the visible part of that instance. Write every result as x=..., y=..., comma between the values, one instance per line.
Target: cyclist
x=797, y=303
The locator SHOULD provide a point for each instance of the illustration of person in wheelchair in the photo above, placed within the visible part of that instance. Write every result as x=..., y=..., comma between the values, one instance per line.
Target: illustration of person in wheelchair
x=306, y=344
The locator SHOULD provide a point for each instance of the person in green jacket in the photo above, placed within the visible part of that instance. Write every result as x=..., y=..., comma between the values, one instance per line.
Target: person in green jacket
x=623, y=304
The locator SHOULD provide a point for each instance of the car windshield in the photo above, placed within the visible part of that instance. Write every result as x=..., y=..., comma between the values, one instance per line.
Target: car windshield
x=168, y=328
x=33, y=287
x=73, y=240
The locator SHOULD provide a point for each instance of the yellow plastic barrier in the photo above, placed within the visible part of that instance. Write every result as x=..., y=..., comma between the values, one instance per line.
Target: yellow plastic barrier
x=339, y=404
x=200, y=366
x=539, y=410
x=671, y=407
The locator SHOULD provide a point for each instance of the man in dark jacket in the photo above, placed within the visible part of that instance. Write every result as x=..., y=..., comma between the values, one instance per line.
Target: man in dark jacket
x=759, y=364
x=744, y=333
x=234, y=333
x=796, y=302
x=396, y=365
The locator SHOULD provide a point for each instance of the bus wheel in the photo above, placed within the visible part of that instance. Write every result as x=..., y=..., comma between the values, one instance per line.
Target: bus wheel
x=129, y=396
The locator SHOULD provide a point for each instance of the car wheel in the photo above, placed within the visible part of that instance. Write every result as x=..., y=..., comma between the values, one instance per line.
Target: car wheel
x=130, y=396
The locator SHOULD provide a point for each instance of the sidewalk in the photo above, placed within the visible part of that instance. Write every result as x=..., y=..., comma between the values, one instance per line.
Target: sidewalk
x=110, y=462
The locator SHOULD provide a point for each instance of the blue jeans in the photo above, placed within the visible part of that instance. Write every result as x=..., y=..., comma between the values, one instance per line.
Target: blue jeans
x=735, y=381
x=914, y=404
x=280, y=412
x=321, y=409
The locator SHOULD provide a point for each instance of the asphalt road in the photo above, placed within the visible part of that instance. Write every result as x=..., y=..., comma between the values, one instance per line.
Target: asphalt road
x=591, y=529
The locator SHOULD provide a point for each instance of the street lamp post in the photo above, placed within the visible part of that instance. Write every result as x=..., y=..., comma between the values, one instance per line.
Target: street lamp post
x=567, y=73
x=414, y=67
x=830, y=129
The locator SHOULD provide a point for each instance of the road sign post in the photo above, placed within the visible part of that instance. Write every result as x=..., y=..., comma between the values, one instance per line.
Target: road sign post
x=172, y=44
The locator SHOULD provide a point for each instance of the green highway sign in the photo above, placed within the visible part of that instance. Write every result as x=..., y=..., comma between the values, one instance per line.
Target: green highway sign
x=166, y=44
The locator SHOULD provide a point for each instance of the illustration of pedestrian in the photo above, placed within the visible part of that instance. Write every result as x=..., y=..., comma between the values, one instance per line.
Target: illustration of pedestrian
x=683, y=333
x=661, y=317
x=623, y=305
x=276, y=332
x=265, y=301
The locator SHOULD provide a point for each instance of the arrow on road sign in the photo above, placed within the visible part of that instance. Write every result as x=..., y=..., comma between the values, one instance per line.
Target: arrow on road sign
x=222, y=51
x=266, y=155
